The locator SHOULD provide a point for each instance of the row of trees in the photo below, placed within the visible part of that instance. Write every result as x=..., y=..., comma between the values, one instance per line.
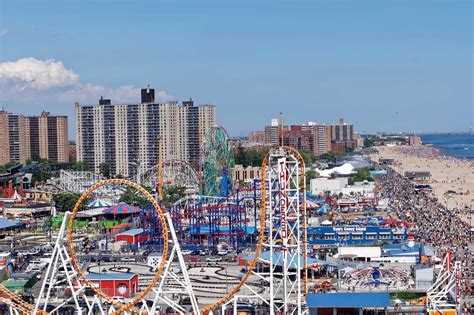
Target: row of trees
x=5, y=167
x=251, y=157
x=170, y=195
x=361, y=175
x=66, y=201
x=254, y=157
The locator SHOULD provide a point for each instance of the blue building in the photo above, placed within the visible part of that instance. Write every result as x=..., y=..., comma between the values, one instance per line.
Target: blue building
x=332, y=236
x=348, y=303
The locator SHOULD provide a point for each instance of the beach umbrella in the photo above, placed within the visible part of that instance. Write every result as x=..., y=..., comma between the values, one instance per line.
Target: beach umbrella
x=98, y=203
x=122, y=208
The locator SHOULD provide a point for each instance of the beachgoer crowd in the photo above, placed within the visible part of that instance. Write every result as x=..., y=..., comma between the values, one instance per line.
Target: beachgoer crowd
x=432, y=223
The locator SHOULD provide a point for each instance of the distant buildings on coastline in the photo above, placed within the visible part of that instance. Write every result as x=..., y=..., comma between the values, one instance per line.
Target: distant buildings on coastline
x=314, y=137
x=125, y=136
x=24, y=137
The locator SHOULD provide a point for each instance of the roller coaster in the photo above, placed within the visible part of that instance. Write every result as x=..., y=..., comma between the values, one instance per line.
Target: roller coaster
x=279, y=220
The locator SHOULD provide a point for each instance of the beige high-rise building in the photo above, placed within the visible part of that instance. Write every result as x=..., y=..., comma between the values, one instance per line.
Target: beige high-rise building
x=125, y=136
x=323, y=139
x=4, y=138
x=23, y=137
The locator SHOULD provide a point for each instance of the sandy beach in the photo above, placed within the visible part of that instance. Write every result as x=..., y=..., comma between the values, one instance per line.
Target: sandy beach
x=447, y=174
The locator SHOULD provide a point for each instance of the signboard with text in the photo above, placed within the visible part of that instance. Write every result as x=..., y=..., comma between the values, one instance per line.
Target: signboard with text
x=283, y=180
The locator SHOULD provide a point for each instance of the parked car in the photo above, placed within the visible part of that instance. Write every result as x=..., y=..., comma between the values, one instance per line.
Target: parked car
x=129, y=259
x=118, y=299
x=187, y=252
x=203, y=252
x=222, y=252
x=213, y=259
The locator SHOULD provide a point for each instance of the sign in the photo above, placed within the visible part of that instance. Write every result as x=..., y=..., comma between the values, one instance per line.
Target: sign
x=349, y=229
x=283, y=180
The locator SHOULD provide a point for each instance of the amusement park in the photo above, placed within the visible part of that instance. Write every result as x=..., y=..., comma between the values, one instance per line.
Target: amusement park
x=179, y=238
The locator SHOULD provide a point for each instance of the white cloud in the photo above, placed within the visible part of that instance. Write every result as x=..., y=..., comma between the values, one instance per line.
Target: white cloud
x=37, y=74
x=88, y=93
x=3, y=31
x=48, y=80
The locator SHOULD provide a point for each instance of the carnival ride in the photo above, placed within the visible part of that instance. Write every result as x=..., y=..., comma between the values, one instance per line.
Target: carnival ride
x=213, y=220
x=443, y=296
x=217, y=163
x=280, y=212
x=375, y=277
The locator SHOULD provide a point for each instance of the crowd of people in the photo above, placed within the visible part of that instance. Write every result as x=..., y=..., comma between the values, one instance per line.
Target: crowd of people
x=432, y=223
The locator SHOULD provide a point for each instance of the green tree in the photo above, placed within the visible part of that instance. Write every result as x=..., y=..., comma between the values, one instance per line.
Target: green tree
x=240, y=157
x=251, y=157
x=4, y=167
x=80, y=166
x=330, y=157
x=40, y=174
x=67, y=201
x=104, y=169
x=173, y=193
x=361, y=175
x=307, y=156
x=135, y=198
x=309, y=176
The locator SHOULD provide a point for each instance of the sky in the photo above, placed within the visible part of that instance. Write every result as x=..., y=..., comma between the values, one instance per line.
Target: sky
x=403, y=65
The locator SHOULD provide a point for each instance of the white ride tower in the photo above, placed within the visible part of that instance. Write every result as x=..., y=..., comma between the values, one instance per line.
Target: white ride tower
x=444, y=294
x=284, y=247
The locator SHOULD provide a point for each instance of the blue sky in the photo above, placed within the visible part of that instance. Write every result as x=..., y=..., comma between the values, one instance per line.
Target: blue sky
x=382, y=65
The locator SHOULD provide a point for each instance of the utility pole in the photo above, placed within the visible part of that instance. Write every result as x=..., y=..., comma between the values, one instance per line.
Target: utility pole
x=160, y=168
x=282, y=131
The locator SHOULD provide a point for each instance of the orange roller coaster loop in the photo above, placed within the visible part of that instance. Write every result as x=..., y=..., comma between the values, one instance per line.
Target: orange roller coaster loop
x=151, y=199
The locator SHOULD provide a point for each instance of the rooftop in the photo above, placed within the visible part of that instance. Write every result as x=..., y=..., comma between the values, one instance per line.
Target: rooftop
x=355, y=300
x=132, y=232
x=110, y=276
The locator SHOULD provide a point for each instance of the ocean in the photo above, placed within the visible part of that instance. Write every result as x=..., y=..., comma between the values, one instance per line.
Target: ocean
x=460, y=146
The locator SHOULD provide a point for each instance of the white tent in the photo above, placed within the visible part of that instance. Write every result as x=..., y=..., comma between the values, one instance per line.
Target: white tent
x=345, y=169
x=326, y=222
x=16, y=196
x=98, y=203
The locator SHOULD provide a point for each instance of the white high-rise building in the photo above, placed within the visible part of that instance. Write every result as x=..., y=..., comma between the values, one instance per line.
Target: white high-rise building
x=125, y=136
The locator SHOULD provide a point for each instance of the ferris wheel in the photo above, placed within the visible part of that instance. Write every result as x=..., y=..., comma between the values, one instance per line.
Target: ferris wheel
x=217, y=163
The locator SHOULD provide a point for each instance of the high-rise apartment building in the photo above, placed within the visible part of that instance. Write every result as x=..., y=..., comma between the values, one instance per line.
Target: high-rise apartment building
x=342, y=137
x=323, y=139
x=342, y=132
x=273, y=133
x=257, y=136
x=311, y=137
x=23, y=137
x=314, y=137
x=125, y=136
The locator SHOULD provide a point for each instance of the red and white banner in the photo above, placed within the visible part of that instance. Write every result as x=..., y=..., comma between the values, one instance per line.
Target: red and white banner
x=284, y=181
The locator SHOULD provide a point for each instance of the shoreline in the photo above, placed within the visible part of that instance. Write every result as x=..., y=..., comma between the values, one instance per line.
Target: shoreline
x=442, y=154
x=452, y=178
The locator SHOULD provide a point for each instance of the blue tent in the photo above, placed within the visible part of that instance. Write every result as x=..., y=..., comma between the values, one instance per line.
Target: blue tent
x=324, y=209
